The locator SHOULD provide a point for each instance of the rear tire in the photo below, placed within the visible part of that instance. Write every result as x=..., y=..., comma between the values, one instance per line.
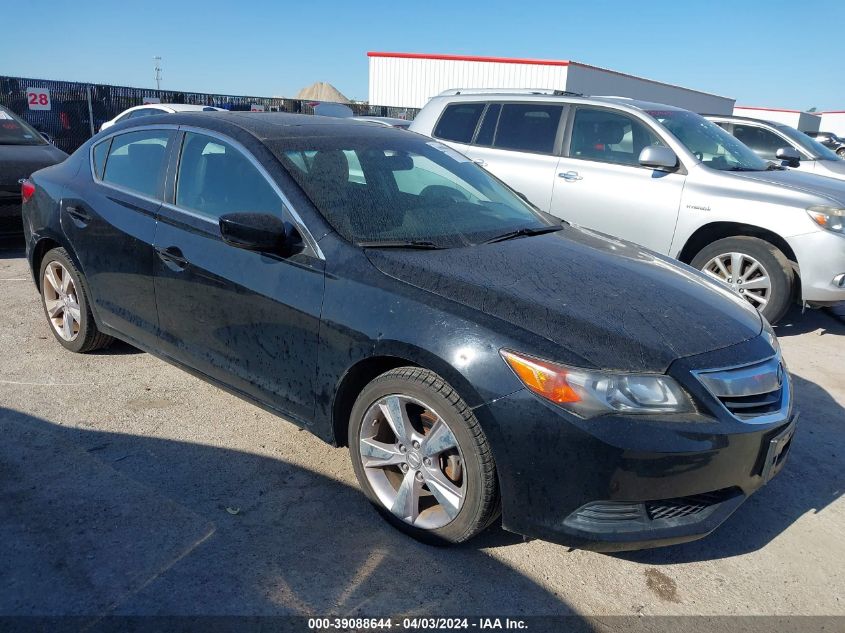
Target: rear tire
x=434, y=478
x=766, y=279
x=66, y=304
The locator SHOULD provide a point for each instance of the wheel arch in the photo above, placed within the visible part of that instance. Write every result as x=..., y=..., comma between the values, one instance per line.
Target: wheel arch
x=714, y=231
x=387, y=356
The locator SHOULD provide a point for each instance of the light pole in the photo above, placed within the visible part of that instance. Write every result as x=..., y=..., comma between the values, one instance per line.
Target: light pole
x=157, y=61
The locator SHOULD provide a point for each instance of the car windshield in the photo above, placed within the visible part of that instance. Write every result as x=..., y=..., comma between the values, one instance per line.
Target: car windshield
x=398, y=188
x=710, y=144
x=810, y=146
x=14, y=131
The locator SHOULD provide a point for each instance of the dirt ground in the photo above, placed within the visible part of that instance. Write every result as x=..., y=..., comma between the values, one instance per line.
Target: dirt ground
x=129, y=487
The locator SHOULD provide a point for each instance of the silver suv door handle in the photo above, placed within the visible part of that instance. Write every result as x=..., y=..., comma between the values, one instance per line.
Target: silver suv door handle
x=570, y=176
x=480, y=162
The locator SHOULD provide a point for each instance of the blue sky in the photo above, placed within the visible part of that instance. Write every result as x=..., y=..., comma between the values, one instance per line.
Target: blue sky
x=773, y=53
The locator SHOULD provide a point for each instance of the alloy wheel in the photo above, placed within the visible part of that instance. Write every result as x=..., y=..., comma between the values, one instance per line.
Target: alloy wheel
x=61, y=301
x=412, y=461
x=745, y=275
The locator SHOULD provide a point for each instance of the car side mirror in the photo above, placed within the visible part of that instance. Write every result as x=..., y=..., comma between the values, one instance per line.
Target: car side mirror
x=660, y=158
x=789, y=155
x=259, y=232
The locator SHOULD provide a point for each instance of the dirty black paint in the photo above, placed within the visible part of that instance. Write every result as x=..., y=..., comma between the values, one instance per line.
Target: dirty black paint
x=284, y=332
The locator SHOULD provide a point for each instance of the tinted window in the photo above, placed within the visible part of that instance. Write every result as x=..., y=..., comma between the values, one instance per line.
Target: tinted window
x=609, y=137
x=458, y=122
x=136, y=160
x=100, y=152
x=14, y=131
x=488, y=126
x=529, y=127
x=412, y=189
x=215, y=178
x=764, y=143
x=137, y=114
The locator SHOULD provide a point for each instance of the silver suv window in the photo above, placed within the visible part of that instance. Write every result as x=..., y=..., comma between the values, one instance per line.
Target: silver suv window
x=458, y=122
x=528, y=127
x=609, y=137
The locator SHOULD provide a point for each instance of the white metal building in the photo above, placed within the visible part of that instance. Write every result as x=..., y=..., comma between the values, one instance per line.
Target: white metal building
x=409, y=80
x=833, y=121
x=804, y=121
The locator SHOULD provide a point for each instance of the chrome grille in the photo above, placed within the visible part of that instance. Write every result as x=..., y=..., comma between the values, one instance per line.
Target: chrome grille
x=758, y=392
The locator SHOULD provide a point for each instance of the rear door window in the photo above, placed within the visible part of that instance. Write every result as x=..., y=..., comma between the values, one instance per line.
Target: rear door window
x=528, y=127
x=136, y=161
x=458, y=122
x=488, y=126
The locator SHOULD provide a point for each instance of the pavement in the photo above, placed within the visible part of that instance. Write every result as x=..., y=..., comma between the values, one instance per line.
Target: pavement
x=128, y=487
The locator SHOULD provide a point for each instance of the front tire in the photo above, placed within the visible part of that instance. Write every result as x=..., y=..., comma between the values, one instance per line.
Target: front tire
x=755, y=269
x=66, y=305
x=421, y=457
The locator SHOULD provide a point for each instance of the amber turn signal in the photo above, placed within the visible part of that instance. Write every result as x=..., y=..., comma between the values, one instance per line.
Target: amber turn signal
x=544, y=379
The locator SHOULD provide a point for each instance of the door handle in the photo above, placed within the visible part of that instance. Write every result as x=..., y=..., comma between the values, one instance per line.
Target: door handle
x=78, y=214
x=570, y=176
x=172, y=257
x=480, y=162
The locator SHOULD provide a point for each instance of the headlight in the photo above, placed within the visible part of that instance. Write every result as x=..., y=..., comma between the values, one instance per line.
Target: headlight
x=770, y=336
x=590, y=393
x=830, y=218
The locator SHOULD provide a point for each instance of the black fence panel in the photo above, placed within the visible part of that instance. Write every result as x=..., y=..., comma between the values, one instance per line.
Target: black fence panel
x=72, y=112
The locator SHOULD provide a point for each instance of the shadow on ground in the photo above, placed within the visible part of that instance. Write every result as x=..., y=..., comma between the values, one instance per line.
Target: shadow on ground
x=812, y=479
x=800, y=321
x=94, y=523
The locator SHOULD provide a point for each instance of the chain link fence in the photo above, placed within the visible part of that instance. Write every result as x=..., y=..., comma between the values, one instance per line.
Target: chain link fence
x=72, y=112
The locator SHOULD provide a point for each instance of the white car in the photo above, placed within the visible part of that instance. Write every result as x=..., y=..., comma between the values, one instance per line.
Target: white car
x=149, y=109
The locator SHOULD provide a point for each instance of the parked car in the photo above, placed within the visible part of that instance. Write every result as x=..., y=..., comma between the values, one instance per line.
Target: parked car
x=151, y=109
x=664, y=178
x=473, y=353
x=830, y=141
x=389, y=121
x=23, y=150
x=783, y=144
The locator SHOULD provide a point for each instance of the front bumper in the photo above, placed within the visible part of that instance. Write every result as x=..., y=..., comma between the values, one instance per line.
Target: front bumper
x=627, y=482
x=821, y=260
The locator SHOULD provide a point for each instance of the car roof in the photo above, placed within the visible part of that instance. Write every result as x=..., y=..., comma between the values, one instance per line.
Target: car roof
x=734, y=117
x=266, y=126
x=546, y=96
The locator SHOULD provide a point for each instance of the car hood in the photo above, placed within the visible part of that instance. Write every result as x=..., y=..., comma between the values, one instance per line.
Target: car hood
x=806, y=182
x=830, y=168
x=613, y=303
x=20, y=161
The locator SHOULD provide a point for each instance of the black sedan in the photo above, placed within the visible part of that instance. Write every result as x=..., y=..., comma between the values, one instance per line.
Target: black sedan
x=387, y=294
x=22, y=151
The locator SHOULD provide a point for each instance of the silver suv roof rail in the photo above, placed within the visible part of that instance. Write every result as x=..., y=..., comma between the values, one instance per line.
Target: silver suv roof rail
x=451, y=92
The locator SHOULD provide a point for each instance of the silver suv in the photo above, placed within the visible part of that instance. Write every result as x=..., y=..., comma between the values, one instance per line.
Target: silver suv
x=662, y=177
x=782, y=143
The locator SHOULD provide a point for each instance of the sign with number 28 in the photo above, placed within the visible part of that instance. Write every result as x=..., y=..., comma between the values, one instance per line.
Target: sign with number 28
x=38, y=98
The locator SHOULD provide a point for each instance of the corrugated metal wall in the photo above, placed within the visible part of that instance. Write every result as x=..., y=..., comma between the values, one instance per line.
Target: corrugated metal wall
x=410, y=81
x=403, y=82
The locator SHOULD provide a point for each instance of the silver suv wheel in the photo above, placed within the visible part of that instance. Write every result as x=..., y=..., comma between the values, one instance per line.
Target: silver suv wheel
x=745, y=275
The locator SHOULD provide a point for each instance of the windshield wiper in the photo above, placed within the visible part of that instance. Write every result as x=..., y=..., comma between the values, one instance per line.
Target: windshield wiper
x=524, y=232
x=421, y=244
x=774, y=167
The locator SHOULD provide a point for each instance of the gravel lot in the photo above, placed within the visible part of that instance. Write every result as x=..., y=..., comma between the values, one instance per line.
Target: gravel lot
x=130, y=487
